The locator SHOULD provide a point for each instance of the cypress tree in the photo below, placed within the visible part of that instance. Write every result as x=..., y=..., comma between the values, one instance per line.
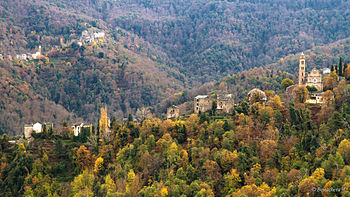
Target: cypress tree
x=130, y=118
x=336, y=69
x=332, y=68
x=340, y=67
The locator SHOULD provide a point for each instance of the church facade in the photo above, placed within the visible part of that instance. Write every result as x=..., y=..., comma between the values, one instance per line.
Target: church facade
x=314, y=78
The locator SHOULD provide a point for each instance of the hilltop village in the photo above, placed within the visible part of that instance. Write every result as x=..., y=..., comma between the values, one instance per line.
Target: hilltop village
x=221, y=103
x=224, y=103
x=90, y=37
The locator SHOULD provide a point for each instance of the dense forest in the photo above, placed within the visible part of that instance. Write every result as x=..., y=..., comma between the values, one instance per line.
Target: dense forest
x=283, y=147
x=216, y=38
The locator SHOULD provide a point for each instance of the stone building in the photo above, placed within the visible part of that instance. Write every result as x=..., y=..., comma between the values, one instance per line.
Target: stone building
x=202, y=103
x=173, y=112
x=29, y=128
x=314, y=78
x=315, y=98
x=225, y=103
x=77, y=128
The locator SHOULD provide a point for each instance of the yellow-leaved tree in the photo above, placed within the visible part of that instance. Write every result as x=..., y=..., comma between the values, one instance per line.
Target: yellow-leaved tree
x=130, y=178
x=110, y=186
x=164, y=192
x=83, y=157
x=231, y=181
x=99, y=165
x=344, y=150
x=82, y=184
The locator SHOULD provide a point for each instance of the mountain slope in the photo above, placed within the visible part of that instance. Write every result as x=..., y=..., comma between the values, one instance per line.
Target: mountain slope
x=122, y=70
x=215, y=38
x=153, y=49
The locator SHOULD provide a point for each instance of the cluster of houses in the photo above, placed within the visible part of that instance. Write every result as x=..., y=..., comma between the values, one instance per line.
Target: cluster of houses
x=91, y=36
x=87, y=36
x=39, y=127
x=26, y=57
x=104, y=125
x=225, y=102
x=204, y=103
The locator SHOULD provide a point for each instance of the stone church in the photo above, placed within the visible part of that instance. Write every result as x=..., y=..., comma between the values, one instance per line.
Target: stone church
x=314, y=78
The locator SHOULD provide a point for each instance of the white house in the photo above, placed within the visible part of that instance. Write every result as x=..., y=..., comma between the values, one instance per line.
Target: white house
x=37, y=127
x=37, y=54
x=315, y=98
x=98, y=35
x=326, y=71
x=29, y=128
x=22, y=57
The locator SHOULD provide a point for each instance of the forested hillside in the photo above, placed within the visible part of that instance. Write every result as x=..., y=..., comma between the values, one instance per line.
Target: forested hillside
x=260, y=149
x=153, y=50
x=216, y=38
x=62, y=60
x=119, y=71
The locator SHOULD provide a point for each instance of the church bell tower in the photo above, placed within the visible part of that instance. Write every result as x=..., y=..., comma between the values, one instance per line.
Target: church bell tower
x=302, y=66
